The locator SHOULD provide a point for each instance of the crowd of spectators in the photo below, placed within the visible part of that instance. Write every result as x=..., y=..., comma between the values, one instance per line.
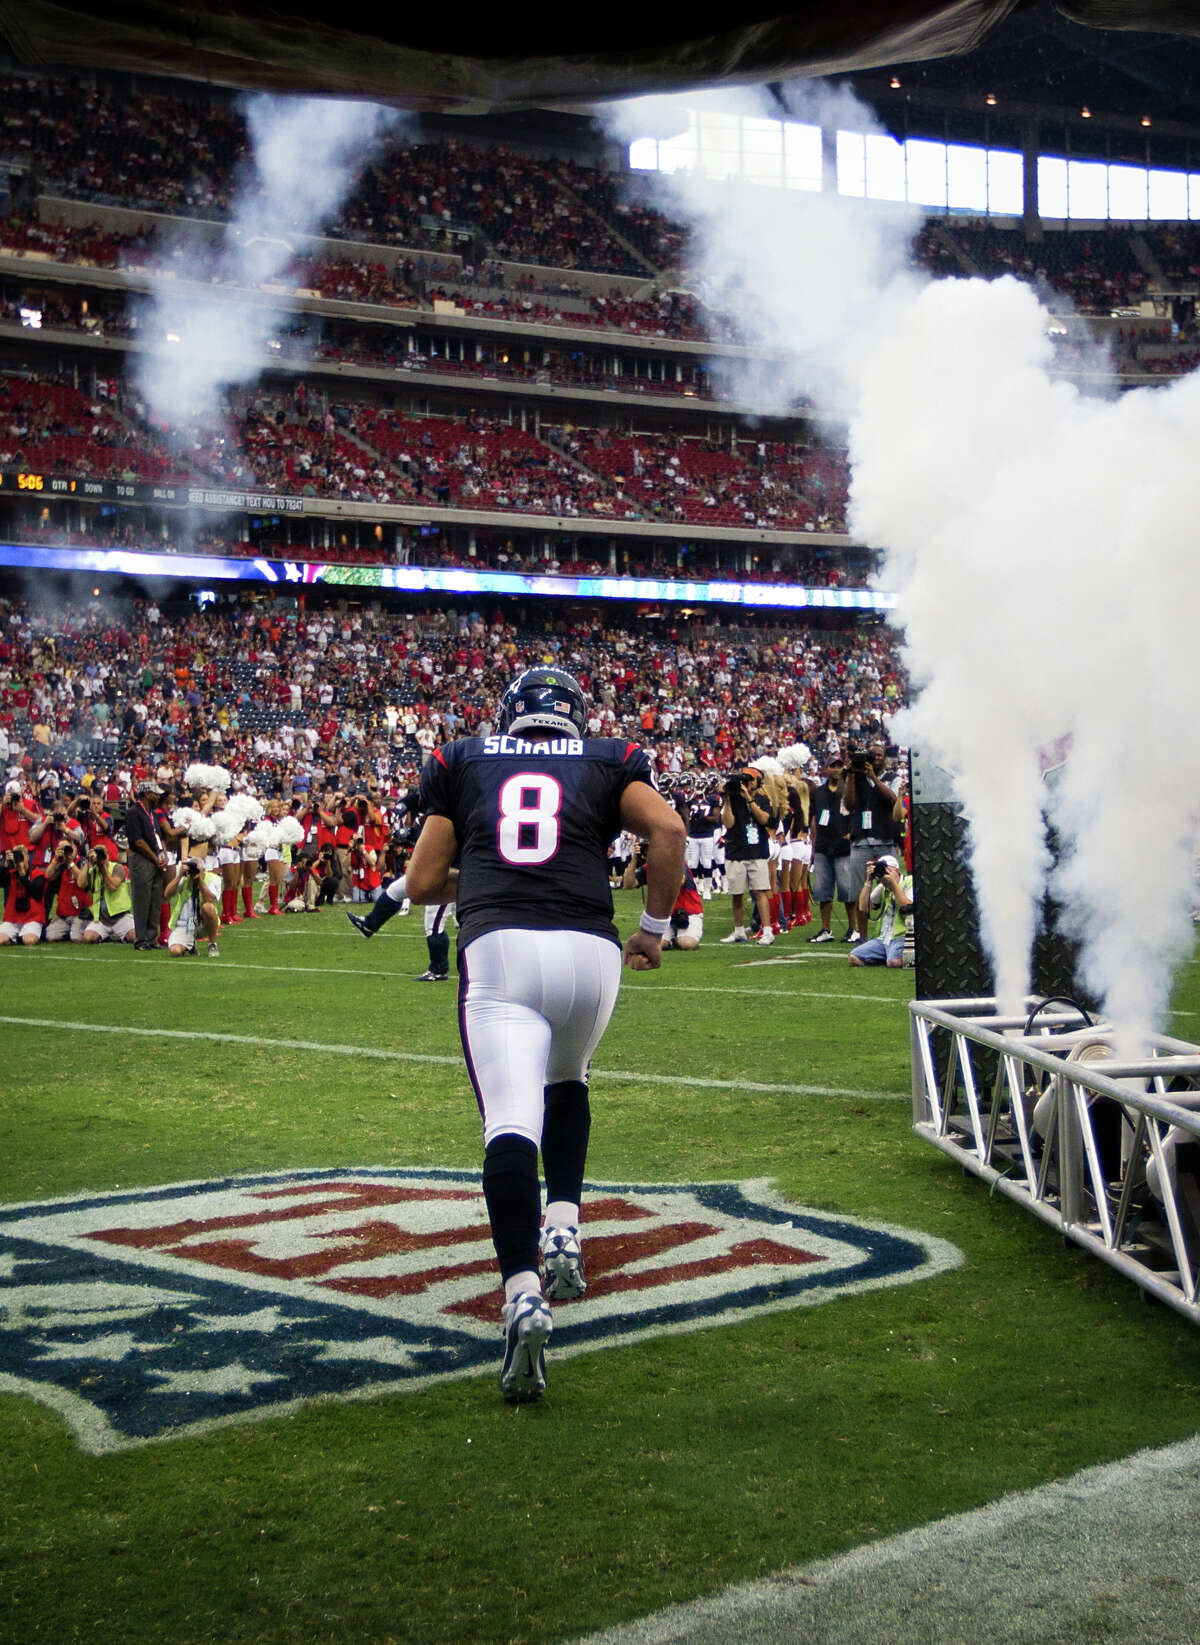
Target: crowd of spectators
x=475, y=205
x=295, y=696
x=302, y=443
x=1096, y=270
x=762, y=484
x=53, y=426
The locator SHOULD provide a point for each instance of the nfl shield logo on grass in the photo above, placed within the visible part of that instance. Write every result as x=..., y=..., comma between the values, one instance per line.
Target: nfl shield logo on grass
x=142, y=1316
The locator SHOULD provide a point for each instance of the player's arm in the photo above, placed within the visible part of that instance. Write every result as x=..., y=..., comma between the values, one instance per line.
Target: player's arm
x=646, y=813
x=429, y=876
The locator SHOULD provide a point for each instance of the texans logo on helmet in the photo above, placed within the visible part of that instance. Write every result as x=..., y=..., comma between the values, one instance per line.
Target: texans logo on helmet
x=145, y=1315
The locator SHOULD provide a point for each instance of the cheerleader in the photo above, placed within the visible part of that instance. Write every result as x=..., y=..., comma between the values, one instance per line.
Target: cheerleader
x=774, y=792
x=797, y=909
x=210, y=786
x=288, y=834
x=251, y=848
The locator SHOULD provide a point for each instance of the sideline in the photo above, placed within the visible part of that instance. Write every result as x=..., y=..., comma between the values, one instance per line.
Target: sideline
x=1106, y=1554
x=628, y=986
x=377, y=1055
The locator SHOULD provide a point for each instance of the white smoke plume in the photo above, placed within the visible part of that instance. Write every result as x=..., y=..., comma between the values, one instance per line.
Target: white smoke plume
x=306, y=154
x=1039, y=543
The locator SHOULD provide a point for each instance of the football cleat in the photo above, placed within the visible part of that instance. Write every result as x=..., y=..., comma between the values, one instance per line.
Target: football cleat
x=765, y=937
x=360, y=925
x=563, y=1262
x=736, y=936
x=527, y=1326
x=433, y=976
x=822, y=936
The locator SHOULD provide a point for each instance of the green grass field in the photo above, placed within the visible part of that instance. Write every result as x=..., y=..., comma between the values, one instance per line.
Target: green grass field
x=652, y=1473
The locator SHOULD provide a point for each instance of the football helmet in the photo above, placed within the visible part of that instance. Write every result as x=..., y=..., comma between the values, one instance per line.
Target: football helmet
x=544, y=699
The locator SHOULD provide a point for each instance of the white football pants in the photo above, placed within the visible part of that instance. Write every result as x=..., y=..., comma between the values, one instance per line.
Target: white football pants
x=532, y=1006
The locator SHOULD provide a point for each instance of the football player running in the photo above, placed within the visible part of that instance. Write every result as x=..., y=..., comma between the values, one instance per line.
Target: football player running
x=527, y=814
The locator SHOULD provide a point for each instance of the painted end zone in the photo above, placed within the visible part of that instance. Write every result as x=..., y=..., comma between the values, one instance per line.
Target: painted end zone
x=147, y=1315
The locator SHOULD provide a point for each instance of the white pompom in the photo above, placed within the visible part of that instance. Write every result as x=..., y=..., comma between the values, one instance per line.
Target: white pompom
x=199, y=775
x=227, y=825
x=291, y=831
x=246, y=807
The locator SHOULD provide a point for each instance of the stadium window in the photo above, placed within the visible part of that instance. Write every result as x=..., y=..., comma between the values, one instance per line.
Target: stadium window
x=966, y=178
x=719, y=144
x=1052, y=186
x=1193, y=194
x=679, y=153
x=802, y=156
x=643, y=155
x=1169, y=195
x=1128, y=199
x=885, y=168
x=1005, y=183
x=926, y=166
x=852, y=164
x=762, y=151
x=1087, y=188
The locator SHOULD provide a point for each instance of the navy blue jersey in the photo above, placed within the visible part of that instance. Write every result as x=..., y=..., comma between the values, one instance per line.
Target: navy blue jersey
x=705, y=818
x=533, y=820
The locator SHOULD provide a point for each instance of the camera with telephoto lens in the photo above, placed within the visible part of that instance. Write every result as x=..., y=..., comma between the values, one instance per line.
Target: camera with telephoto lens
x=879, y=870
x=859, y=759
x=192, y=869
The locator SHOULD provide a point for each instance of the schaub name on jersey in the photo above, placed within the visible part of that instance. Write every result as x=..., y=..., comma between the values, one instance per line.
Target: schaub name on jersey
x=533, y=822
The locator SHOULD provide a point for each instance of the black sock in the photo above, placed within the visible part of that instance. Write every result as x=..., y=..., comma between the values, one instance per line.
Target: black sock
x=380, y=912
x=565, y=1129
x=514, y=1202
x=439, y=953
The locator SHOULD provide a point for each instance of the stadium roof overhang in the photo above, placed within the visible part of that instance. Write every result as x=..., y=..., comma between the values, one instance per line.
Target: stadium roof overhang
x=1125, y=56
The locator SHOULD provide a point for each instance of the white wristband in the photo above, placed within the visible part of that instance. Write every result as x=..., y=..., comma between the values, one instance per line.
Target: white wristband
x=655, y=927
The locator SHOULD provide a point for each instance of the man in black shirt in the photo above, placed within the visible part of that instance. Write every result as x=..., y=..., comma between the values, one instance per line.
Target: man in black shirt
x=528, y=814
x=830, y=829
x=870, y=806
x=147, y=863
x=748, y=820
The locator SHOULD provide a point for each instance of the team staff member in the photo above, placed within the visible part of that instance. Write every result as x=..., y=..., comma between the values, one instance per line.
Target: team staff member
x=147, y=862
x=528, y=815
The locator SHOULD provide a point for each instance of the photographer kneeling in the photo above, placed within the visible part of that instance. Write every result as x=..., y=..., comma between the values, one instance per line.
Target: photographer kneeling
x=26, y=893
x=111, y=897
x=69, y=911
x=192, y=891
x=687, y=915
x=885, y=885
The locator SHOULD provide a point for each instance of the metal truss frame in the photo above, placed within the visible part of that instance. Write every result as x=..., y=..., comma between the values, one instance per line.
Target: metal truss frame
x=1103, y=1148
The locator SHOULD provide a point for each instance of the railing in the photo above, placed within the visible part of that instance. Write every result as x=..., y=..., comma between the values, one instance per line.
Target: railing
x=1103, y=1147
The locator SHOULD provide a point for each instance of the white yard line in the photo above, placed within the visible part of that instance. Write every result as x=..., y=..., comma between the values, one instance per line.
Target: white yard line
x=375, y=1054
